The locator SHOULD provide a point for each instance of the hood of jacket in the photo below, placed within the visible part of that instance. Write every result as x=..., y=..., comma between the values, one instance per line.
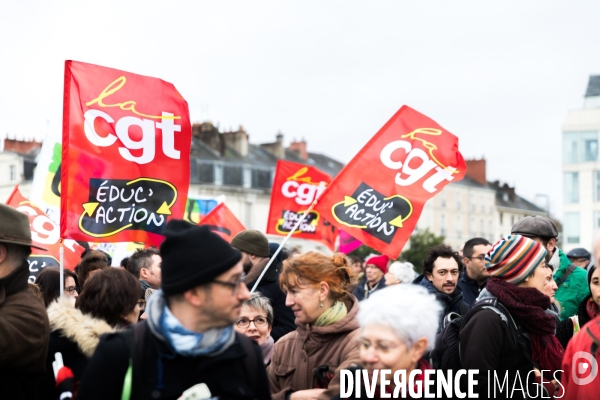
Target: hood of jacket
x=80, y=328
x=321, y=333
x=447, y=299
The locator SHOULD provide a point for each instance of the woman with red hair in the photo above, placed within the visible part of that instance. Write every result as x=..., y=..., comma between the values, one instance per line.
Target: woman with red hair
x=306, y=363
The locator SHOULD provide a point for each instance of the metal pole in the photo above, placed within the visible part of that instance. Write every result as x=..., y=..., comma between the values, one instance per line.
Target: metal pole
x=281, y=246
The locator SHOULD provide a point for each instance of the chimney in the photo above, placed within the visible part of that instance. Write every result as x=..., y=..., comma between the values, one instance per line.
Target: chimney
x=300, y=149
x=275, y=148
x=476, y=170
x=210, y=136
x=21, y=146
x=237, y=140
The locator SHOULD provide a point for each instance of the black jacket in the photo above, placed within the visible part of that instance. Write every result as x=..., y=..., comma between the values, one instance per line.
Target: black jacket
x=487, y=344
x=452, y=303
x=283, y=316
x=470, y=288
x=166, y=375
x=359, y=290
x=564, y=329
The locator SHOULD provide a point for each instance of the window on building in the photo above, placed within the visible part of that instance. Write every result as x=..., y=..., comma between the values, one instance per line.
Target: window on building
x=13, y=173
x=482, y=204
x=472, y=203
x=571, y=187
x=458, y=227
x=261, y=179
x=580, y=147
x=472, y=227
x=490, y=231
x=247, y=172
x=443, y=198
x=572, y=227
x=596, y=188
x=232, y=175
x=458, y=200
x=248, y=214
x=481, y=231
x=501, y=215
x=596, y=219
x=218, y=174
x=205, y=173
x=443, y=225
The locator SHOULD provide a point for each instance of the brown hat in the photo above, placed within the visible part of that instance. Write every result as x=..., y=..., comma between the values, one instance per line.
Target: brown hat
x=252, y=242
x=535, y=225
x=14, y=227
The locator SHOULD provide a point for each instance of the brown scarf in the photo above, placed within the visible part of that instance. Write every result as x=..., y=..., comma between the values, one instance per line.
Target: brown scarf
x=255, y=271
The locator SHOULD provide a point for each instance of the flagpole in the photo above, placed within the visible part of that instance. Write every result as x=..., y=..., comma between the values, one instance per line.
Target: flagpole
x=281, y=245
x=62, y=268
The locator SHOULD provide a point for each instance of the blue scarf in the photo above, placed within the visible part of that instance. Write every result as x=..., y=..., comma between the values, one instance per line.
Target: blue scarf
x=182, y=341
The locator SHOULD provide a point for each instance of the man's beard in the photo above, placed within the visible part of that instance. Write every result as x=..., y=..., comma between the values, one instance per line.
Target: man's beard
x=247, y=265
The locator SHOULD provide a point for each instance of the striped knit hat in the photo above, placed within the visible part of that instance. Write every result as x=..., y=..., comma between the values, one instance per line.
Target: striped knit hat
x=513, y=258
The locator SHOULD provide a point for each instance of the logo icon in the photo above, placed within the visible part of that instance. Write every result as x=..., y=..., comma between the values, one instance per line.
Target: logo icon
x=580, y=368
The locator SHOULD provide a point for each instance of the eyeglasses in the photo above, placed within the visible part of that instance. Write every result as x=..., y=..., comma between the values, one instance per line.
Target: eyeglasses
x=72, y=289
x=245, y=322
x=480, y=257
x=142, y=304
x=233, y=285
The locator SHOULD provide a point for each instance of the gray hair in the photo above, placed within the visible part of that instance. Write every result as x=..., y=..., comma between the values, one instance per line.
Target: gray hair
x=402, y=271
x=260, y=303
x=409, y=310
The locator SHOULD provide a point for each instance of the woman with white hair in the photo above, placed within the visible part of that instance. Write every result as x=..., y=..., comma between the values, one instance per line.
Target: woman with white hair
x=398, y=326
x=399, y=272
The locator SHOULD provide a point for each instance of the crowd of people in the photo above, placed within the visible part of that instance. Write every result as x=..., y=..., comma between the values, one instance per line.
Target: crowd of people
x=180, y=322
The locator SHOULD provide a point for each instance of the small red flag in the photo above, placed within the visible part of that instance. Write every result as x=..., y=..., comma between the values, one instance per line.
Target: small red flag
x=378, y=197
x=44, y=233
x=295, y=187
x=125, y=157
x=222, y=221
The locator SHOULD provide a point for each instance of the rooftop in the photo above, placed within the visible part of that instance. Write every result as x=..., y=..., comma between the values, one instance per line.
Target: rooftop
x=593, y=88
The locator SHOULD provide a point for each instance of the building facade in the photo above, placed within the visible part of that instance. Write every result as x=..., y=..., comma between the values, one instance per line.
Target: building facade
x=581, y=170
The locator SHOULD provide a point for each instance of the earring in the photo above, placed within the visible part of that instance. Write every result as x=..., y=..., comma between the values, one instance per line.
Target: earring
x=321, y=305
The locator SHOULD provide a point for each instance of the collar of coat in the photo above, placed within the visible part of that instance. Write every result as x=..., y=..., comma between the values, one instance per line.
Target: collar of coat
x=14, y=282
x=80, y=328
x=347, y=324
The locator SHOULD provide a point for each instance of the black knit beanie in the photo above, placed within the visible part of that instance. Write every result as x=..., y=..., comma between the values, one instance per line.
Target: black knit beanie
x=252, y=242
x=193, y=255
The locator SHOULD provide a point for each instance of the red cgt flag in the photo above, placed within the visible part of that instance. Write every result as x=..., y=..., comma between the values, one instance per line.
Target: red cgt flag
x=44, y=233
x=126, y=155
x=222, y=221
x=378, y=197
x=295, y=187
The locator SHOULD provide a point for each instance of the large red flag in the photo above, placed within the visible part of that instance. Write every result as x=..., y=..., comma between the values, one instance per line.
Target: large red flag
x=222, y=221
x=295, y=187
x=378, y=197
x=126, y=155
x=44, y=233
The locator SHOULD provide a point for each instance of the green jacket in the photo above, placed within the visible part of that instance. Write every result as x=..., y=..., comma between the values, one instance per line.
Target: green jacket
x=573, y=290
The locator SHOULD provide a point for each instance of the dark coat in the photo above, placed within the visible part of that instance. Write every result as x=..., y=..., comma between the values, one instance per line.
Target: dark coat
x=283, y=316
x=564, y=329
x=451, y=303
x=487, y=344
x=359, y=291
x=166, y=375
x=75, y=335
x=24, y=333
x=470, y=288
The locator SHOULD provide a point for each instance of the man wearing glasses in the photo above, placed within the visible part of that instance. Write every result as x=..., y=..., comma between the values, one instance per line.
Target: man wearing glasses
x=187, y=347
x=474, y=277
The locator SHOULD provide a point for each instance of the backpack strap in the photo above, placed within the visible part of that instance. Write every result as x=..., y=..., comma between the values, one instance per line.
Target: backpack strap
x=250, y=361
x=571, y=268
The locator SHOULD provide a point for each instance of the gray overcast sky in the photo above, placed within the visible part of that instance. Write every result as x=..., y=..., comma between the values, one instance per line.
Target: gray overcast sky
x=499, y=75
